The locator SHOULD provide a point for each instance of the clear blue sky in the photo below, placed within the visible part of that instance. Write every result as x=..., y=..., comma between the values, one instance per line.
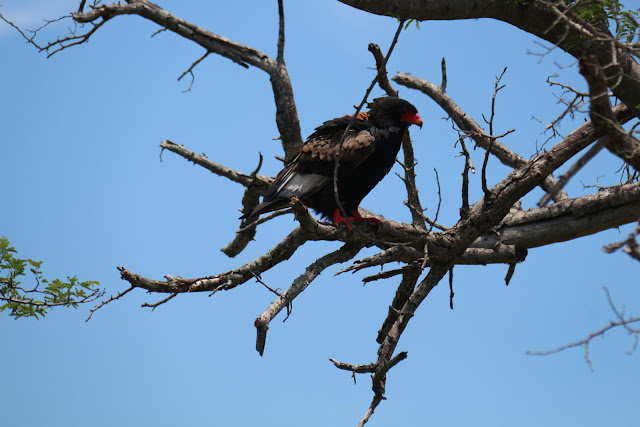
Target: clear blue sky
x=84, y=190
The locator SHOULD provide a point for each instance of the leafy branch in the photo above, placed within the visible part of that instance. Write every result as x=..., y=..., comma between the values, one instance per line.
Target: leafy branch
x=36, y=299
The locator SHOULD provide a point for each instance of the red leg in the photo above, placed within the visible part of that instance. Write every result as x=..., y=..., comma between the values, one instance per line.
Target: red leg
x=359, y=218
x=339, y=219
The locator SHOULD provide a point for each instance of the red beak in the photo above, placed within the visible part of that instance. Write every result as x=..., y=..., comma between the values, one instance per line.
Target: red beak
x=412, y=118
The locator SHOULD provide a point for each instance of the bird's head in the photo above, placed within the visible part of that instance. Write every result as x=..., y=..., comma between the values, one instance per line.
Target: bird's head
x=393, y=111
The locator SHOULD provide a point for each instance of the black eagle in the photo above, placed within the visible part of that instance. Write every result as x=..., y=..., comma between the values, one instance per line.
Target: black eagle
x=368, y=153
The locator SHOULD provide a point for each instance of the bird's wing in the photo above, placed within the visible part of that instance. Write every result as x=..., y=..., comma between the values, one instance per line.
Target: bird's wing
x=356, y=147
x=323, y=145
x=310, y=170
x=313, y=167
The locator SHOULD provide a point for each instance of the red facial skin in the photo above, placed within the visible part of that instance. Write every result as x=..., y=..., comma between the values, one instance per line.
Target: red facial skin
x=411, y=118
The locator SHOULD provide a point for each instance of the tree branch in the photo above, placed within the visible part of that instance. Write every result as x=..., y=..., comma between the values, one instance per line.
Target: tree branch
x=483, y=216
x=622, y=321
x=616, y=140
x=413, y=200
x=258, y=181
x=526, y=229
x=535, y=17
x=345, y=253
x=469, y=126
x=286, y=112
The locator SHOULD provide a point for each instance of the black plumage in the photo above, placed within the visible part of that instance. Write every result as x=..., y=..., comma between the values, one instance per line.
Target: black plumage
x=368, y=153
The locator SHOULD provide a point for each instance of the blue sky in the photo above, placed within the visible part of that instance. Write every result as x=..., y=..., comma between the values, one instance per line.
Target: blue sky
x=85, y=191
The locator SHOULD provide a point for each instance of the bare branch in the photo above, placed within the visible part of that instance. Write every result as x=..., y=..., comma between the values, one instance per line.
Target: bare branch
x=190, y=70
x=496, y=89
x=353, y=119
x=259, y=181
x=617, y=140
x=247, y=230
x=378, y=397
x=566, y=220
x=356, y=369
x=630, y=244
x=526, y=229
x=443, y=85
x=259, y=280
x=51, y=48
x=159, y=303
x=564, y=179
x=280, y=57
x=483, y=216
x=510, y=272
x=286, y=112
x=107, y=301
x=622, y=321
x=451, y=293
x=468, y=166
x=623, y=72
x=409, y=164
x=394, y=254
x=381, y=65
x=345, y=253
x=225, y=281
x=238, y=53
x=469, y=126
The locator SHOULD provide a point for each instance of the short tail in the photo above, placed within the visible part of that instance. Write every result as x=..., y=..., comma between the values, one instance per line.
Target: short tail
x=264, y=207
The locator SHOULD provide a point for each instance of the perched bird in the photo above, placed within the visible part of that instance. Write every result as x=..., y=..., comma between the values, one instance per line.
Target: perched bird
x=368, y=153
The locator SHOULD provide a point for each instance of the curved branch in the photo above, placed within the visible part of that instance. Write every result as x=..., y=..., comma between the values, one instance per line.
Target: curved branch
x=535, y=17
x=585, y=134
x=286, y=111
x=345, y=253
x=238, y=53
x=560, y=222
x=413, y=200
x=483, y=216
x=225, y=281
x=617, y=140
x=258, y=181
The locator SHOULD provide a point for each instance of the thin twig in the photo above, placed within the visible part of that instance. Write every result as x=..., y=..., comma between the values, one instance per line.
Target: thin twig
x=107, y=301
x=190, y=71
x=352, y=121
x=564, y=179
x=622, y=321
x=468, y=166
x=496, y=89
x=162, y=301
x=280, y=57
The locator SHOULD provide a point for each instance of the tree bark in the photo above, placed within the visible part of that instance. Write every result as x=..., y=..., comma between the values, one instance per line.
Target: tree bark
x=535, y=17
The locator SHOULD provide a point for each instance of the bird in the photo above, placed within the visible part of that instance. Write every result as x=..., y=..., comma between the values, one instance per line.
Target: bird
x=368, y=152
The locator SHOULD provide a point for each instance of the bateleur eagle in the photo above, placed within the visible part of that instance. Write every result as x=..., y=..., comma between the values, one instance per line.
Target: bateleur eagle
x=368, y=153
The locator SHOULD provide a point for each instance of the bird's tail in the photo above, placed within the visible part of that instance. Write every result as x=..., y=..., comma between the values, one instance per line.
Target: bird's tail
x=265, y=207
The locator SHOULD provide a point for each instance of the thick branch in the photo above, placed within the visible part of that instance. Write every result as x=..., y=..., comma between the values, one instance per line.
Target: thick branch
x=484, y=215
x=535, y=17
x=616, y=139
x=569, y=219
x=563, y=221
